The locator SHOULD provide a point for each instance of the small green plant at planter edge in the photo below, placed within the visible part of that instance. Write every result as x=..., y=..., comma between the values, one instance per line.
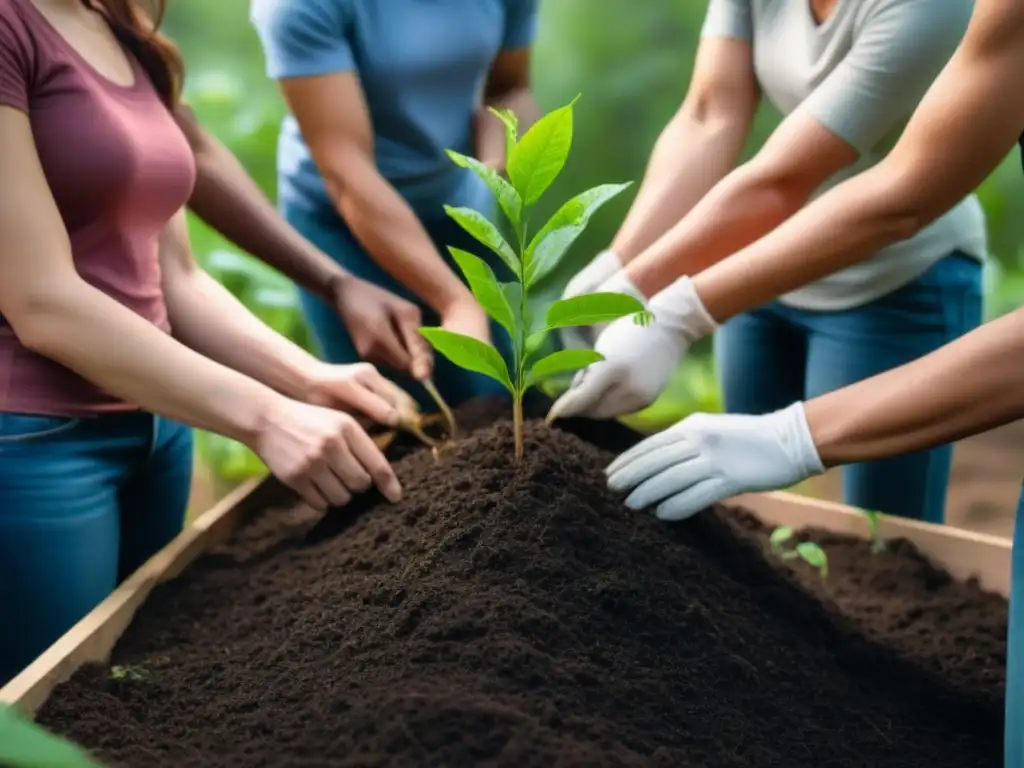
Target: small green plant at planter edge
x=534, y=162
x=807, y=551
x=874, y=522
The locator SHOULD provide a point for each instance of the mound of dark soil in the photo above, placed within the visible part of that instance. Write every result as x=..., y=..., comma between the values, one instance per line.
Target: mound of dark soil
x=507, y=615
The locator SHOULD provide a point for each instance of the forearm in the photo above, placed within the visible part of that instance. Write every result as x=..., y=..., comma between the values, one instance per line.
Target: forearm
x=971, y=385
x=229, y=201
x=490, y=131
x=392, y=234
x=740, y=209
x=689, y=158
x=844, y=226
x=207, y=318
x=111, y=346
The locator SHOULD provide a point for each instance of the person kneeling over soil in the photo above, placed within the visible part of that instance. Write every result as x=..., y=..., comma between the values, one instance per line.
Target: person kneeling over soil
x=112, y=340
x=966, y=124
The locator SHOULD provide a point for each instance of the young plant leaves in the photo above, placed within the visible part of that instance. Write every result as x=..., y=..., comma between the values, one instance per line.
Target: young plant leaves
x=540, y=155
x=563, y=361
x=511, y=122
x=590, y=309
x=469, y=353
x=486, y=288
x=484, y=230
x=506, y=195
x=549, y=245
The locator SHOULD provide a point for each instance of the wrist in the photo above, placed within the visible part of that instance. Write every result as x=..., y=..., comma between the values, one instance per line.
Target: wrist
x=797, y=440
x=680, y=308
x=620, y=282
x=451, y=297
x=827, y=432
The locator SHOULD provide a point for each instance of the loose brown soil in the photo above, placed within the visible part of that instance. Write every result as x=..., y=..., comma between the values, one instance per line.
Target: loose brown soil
x=519, y=615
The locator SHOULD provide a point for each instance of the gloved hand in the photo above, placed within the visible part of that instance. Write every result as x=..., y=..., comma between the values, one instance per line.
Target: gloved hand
x=639, y=360
x=589, y=280
x=709, y=457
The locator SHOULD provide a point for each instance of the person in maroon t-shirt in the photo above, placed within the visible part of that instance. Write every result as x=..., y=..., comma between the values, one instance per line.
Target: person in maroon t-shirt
x=112, y=339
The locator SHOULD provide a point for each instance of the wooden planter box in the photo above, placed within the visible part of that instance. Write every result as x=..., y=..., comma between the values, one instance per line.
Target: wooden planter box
x=963, y=553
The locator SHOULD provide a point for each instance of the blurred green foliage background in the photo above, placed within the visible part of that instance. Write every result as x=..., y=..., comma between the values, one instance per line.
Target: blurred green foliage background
x=631, y=61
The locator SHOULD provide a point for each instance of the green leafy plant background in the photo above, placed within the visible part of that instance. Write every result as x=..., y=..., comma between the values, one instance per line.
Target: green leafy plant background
x=632, y=62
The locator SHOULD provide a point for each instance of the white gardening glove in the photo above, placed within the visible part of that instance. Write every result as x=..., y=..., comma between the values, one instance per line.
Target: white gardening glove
x=591, y=278
x=639, y=360
x=709, y=457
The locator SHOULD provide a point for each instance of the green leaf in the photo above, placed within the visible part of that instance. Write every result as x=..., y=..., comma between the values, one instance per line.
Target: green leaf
x=486, y=288
x=814, y=556
x=23, y=744
x=563, y=361
x=508, y=117
x=540, y=155
x=549, y=245
x=507, y=196
x=469, y=353
x=483, y=229
x=590, y=309
x=780, y=536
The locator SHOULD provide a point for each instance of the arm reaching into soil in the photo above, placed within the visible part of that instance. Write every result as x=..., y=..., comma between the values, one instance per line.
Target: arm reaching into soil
x=317, y=76
x=697, y=148
x=384, y=327
x=969, y=119
x=706, y=458
x=322, y=454
x=206, y=317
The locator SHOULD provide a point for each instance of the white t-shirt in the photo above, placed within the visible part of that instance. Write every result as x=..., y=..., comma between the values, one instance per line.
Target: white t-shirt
x=861, y=74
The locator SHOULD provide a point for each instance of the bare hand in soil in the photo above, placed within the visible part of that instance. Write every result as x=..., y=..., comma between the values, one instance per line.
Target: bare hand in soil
x=362, y=389
x=709, y=457
x=384, y=327
x=322, y=454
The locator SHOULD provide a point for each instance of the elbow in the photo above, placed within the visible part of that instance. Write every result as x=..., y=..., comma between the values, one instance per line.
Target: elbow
x=40, y=320
x=899, y=203
x=754, y=188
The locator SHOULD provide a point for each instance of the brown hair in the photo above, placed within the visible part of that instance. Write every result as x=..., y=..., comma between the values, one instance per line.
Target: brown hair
x=138, y=31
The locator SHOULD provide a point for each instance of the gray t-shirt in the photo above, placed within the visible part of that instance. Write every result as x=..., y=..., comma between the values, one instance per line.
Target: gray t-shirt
x=861, y=74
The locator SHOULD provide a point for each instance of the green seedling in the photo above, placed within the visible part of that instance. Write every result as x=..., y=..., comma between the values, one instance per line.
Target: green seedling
x=874, y=521
x=128, y=673
x=534, y=162
x=807, y=551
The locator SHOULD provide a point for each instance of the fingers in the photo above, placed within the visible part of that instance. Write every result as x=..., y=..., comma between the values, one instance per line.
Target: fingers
x=330, y=485
x=387, y=348
x=656, y=459
x=366, y=396
x=309, y=493
x=641, y=449
x=587, y=389
x=372, y=461
x=677, y=477
x=421, y=355
x=694, y=499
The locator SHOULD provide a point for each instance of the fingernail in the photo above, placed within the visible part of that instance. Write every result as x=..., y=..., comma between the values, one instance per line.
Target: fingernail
x=392, y=490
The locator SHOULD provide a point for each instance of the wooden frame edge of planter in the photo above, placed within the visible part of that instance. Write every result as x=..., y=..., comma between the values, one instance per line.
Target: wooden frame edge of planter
x=965, y=554
x=93, y=638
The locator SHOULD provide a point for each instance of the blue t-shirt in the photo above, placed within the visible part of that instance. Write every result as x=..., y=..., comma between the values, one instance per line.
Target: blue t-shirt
x=422, y=66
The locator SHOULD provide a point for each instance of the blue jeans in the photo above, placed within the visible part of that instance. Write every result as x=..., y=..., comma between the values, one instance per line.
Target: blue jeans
x=1014, y=725
x=329, y=233
x=776, y=355
x=83, y=503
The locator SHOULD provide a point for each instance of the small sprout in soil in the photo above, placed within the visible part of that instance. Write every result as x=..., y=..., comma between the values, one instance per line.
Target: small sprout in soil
x=874, y=521
x=807, y=551
x=128, y=673
x=534, y=161
x=814, y=556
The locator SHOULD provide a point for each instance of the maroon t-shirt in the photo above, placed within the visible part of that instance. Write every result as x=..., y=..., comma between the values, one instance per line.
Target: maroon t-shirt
x=118, y=167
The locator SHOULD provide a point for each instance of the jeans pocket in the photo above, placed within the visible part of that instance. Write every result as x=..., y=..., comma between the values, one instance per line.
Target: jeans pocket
x=23, y=428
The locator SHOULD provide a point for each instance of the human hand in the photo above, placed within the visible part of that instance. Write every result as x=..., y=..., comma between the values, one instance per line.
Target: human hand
x=322, y=454
x=467, y=317
x=709, y=457
x=588, y=280
x=384, y=327
x=360, y=388
x=638, y=360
